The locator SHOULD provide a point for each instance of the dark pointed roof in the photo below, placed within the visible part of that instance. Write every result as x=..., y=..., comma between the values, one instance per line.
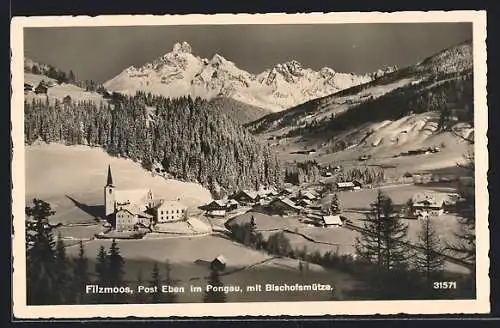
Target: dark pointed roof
x=110, y=177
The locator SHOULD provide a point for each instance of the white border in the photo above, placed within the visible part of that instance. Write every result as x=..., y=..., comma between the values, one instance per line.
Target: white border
x=480, y=305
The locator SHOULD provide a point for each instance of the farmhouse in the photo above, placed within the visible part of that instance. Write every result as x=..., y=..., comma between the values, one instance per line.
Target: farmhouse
x=130, y=207
x=219, y=263
x=41, y=89
x=284, y=206
x=220, y=207
x=305, y=202
x=331, y=221
x=349, y=185
x=428, y=204
x=127, y=219
x=246, y=197
x=28, y=87
x=307, y=195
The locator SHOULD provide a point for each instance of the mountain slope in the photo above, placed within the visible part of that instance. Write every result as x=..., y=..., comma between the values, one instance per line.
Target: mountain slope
x=407, y=84
x=179, y=73
x=239, y=111
x=187, y=139
x=60, y=84
x=395, y=113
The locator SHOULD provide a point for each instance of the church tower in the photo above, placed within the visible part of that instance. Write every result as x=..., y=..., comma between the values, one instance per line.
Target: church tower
x=109, y=195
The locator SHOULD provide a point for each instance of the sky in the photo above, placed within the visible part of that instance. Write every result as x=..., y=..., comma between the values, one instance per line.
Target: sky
x=100, y=53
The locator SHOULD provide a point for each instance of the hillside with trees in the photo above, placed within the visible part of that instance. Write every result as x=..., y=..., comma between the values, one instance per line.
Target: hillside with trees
x=190, y=139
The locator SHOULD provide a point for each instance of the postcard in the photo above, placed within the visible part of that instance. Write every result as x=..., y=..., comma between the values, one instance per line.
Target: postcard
x=249, y=165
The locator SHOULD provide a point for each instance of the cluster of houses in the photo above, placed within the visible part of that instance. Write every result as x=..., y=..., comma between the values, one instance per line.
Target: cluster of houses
x=135, y=209
x=286, y=202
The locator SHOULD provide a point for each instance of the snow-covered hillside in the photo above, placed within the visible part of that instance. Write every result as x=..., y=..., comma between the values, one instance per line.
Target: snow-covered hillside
x=411, y=109
x=59, y=91
x=179, y=73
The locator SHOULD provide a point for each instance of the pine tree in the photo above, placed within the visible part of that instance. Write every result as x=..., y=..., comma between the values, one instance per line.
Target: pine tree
x=383, y=240
x=115, y=272
x=156, y=283
x=212, y=296
x=101, y=266
x=394, y=234
x=429, y=261
x=169, y=297
x=41, y=265
x=63, y=277
x=80, y=275
x=369, y=246
x=335, y=205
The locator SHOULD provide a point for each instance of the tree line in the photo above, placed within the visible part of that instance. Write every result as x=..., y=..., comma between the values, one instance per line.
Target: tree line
x=189, y=138
x=52, y=277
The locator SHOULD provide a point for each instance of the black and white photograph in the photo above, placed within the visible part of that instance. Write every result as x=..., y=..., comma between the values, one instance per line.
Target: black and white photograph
x=322, y=164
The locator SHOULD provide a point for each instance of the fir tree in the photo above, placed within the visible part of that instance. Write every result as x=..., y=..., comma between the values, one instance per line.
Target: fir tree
x=394, y=234
x=41, y=264
x=369, y=246
x=115, y=272
x=156, y=283
x=335, y=205
x=80, y=275
x=101, y=266
x=429, y=261
x=63, y=277
x=210, y=295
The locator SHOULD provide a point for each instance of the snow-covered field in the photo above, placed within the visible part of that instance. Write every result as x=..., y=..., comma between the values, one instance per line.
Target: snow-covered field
x=59, y=91
x=72, y=178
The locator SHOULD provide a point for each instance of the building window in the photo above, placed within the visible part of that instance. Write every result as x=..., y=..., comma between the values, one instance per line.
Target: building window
x=110, y=191
x=162, y=212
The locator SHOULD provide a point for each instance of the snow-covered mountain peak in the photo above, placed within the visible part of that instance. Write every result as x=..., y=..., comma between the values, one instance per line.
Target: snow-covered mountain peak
x=182, y=47
x=180, y=73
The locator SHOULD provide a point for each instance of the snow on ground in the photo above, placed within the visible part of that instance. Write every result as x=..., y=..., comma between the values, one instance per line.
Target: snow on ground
x=71, y=179
x=60, y=91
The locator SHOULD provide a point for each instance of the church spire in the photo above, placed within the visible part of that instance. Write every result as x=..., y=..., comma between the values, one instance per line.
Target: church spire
x=110, y=177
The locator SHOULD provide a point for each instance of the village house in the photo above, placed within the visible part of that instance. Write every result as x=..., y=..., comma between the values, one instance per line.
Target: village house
x=41, y=89
x=331, y=221
x=424, y=204
x=283, y=206
x=220, y=207
x=28, y=87
x=219, y=263
x=170, y=211
x=246, y=197
x=129, y=220
x=308, y=195
x=129, y=208
x=304, y=202
x=349, y=185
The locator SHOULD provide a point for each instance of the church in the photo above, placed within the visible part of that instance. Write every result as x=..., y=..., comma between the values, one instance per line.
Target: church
x=130, y=209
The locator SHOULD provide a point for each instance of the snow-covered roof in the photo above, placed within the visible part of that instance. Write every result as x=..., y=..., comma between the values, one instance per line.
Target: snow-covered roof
x=221, y=259
x=308, y=195
x=332, y=219
x=345, y=184
x=428, y=199
x=171, y=204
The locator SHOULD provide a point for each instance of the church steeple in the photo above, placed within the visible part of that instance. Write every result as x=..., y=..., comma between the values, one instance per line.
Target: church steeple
x=110, y=177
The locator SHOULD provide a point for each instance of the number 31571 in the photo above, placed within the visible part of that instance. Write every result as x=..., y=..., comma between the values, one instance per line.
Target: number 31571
x=444, y=285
